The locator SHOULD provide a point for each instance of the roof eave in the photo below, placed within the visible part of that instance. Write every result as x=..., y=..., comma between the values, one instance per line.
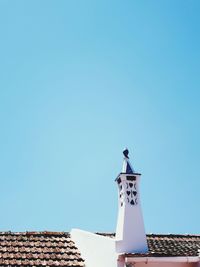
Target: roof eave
x=185, y=259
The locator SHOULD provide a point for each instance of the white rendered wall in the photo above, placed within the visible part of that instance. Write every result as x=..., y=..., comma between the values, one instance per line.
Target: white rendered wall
x=99, y=251
x=96, y=250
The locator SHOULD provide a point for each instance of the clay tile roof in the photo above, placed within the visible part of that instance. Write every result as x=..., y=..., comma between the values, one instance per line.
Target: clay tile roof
x=57, y=249
x=169, y=245
x=173, y=245
x=38, y=249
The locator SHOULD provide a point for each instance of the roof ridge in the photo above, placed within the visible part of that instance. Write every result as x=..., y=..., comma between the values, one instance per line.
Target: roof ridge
x=173, y=235
x=63, y=233
x=155, y=235
x=52, y=233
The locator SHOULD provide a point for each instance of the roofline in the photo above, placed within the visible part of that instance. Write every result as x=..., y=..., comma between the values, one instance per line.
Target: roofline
x=172, y=235
x=162, y=259
x=152, y=235
x=36, y=233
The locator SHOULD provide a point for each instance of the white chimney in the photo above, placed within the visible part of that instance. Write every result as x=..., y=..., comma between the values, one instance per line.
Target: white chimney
x=130, y=232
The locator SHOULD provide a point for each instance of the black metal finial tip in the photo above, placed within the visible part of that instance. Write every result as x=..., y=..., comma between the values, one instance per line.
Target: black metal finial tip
x=125, y=152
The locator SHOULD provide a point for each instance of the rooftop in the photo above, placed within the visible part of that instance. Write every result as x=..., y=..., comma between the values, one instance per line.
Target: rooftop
x=57, y=248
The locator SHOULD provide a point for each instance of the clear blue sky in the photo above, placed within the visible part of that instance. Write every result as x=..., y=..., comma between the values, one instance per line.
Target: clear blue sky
x=81, y=80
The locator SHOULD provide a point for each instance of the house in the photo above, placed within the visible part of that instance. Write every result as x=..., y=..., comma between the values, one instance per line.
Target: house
x=129, y=246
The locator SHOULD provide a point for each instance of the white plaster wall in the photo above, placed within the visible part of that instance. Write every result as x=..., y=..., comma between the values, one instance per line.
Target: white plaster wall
x=132, y=231
x=96, y=250
x=99, y=251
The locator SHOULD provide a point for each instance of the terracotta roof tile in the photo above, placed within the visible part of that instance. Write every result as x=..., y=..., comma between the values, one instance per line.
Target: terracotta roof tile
x=57, y=248
x=38, y=249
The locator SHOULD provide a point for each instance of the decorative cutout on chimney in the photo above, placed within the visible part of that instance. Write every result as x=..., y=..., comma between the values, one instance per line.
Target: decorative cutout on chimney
x=131, y=178
x=131, y=193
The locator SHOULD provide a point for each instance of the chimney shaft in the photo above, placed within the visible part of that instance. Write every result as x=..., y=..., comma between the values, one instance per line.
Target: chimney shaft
x=130, y=232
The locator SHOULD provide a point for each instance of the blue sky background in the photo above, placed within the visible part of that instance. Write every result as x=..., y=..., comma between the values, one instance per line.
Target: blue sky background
x=81, y=80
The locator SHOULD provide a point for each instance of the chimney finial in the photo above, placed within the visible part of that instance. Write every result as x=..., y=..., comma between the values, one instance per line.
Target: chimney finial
x=127, y=168
x=126, y=152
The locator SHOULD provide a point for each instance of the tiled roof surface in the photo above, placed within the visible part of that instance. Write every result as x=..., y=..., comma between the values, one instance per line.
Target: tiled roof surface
x=173, y=245
x=38, y=249
x=170, y=245
x=57, y=248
